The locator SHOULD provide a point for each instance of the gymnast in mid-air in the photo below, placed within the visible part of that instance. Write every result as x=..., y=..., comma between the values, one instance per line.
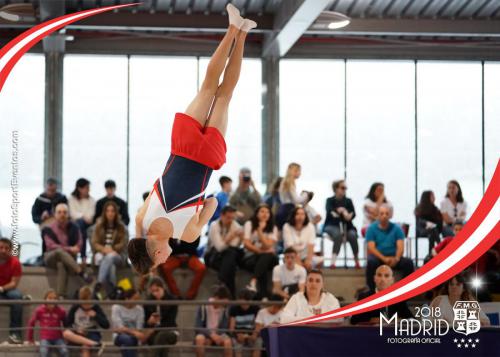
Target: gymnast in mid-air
x=176, y=206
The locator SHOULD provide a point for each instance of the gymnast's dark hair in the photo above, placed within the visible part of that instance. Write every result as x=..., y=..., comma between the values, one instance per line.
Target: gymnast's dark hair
x=139, y=256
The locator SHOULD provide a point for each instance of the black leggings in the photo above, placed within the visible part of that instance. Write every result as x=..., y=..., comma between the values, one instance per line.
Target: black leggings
x=261, y=265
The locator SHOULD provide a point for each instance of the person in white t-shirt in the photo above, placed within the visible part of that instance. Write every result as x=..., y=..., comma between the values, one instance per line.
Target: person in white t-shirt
x=290, y=277
x=313, y=301
x=374, y=199
x=299, y=234
x=224, y=251
x=260, y=236
x=453, y=207
x=267, y=316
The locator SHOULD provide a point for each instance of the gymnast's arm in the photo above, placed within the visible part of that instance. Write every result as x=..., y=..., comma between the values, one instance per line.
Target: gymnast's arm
x=196, y=223
x=140, y=216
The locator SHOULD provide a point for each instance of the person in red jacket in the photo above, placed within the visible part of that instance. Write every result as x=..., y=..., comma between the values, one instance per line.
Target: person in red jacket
x=50, y=317
x=10, y=275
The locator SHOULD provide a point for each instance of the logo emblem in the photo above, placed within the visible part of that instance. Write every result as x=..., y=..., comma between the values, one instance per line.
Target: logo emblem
x=466, y=317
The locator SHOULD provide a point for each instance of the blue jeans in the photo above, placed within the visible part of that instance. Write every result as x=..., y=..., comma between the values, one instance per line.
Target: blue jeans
x=83, y=226
x=107, y=269
x=405, y=266
x=336, y=234
x=16, y=310
x=59, y=345
x=124, y=339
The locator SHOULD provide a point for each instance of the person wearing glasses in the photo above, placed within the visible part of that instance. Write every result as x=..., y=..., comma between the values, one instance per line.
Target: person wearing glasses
x=453, y=207
x=338, y=222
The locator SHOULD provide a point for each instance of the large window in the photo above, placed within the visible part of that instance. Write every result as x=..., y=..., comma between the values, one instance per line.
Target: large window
x=380, y=133
x=491, y=118
x=312, y=124
x=95, y=122
x=449, y=128
x=22, y=115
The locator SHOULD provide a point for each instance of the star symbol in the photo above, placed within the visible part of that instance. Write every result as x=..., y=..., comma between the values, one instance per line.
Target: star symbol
x=470, y=340
x=455, y=340
x=459, y=345
x=477, y=340
x=473, y=345
x=466, y=346
x=462, y=340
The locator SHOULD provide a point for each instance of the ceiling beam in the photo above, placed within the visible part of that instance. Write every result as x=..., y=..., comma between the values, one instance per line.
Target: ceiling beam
x=419, y=27
x=292, y=19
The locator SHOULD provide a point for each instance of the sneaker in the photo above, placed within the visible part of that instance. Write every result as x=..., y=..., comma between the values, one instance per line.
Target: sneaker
x=100, y=351
x=356, y=265
x=333, y=266
x=252, y=286
x=15, y=339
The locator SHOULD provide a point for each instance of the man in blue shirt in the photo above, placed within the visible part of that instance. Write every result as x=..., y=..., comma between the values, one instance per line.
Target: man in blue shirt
x=222, y=196
x=385, y=246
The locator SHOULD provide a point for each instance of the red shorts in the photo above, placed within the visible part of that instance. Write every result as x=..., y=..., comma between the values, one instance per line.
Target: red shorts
x=204, y=145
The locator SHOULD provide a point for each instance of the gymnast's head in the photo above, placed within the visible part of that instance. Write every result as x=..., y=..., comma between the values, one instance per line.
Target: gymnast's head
x=147, y=253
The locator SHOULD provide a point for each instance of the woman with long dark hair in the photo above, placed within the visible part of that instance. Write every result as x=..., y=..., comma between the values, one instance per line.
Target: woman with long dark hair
x=109, y=241
x=374, y=199
x=299, y=234
x=429, y=219
x=313, y=301
x=454, y=290
x=260, y=236
x=82, y=210
x=453, y=207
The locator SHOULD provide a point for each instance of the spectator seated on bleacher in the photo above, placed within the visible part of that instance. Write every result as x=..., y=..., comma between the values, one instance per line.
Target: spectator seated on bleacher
x=267, y=316
x=313, y=301
x=63, y=241
x=109, y=239
x=83, y=323
x=289, y=277
x=10, y=275
x=385, y=246
x=224, y=251
x=160, y=316
x=299, y=234
x=127, y=322
x=82, y=211
x=429, y=219
x=242, y=323
x=457, y=227
x=222, y=196
x=51, y=318
x=212, y=322
x=43, y=209
x=259, y=239
x=110, y=187
x=384, y=278
x=453, y=207
x=338, y=222
x=374, y=199
x=184, y=255
x=246, y=198
x=452, y=291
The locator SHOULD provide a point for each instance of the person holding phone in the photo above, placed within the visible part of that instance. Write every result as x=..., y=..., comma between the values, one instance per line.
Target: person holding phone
x=246, y=198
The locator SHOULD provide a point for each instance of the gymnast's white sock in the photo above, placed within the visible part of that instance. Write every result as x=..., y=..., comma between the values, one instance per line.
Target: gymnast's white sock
x=248, y=25
x=234, y=16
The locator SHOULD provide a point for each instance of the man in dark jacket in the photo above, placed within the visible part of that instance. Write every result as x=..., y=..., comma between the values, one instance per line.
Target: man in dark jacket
x=384, y=278
x=160, y=316
x=44, y=206
x=110, y=187
x=185, y=255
